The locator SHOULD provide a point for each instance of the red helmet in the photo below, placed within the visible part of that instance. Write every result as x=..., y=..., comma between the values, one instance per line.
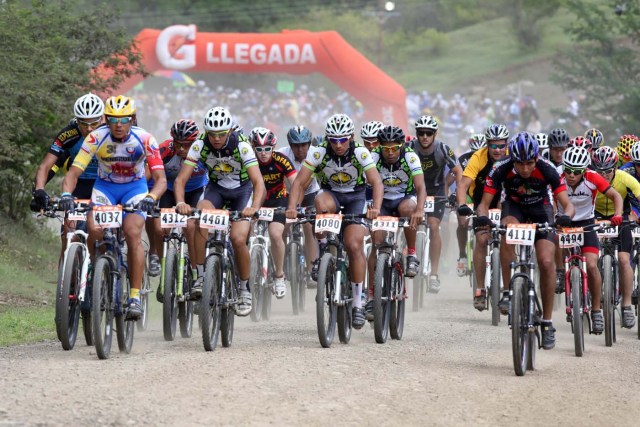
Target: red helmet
x=184, y=130
x=262, y=136
x=580, y=141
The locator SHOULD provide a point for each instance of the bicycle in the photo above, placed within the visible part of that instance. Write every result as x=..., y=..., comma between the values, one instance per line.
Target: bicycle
x=296, y=264
x=389, y=293
x=71, y=288
x=525, y=310
x=110, y=284
x=423, y=239
x=145, y=290
x=635, y=263
x=220, y=287
x=262, y=266
x=175, y=276
x=608, y=265
x=493, y=272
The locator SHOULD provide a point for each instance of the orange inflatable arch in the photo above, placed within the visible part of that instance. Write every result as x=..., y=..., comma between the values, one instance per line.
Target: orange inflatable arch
x=181, y=47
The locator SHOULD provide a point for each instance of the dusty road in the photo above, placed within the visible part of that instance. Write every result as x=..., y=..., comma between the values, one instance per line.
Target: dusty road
x=451, y=368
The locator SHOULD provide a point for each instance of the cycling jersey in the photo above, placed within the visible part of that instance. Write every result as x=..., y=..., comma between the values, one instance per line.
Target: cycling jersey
x=524, y=191
x=120, y=162
x=228, y=165
x=433, y=166
x=464, y=158
x=631, y=170
x=313, y=185
x=584, y=195
x=397, y=179
x=173, y=164
x=342, y=174
x=66, y=146
x=624, y=184
x=273, y=174
x=477, y=169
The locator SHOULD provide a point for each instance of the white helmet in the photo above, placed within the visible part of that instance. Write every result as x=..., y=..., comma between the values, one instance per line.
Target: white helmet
x=543, y=140
x=635, y=153
x=339, y=125
x=576, y=157
x=370, y=129
x=218, y=118
x=88, y=106
x=426, y=122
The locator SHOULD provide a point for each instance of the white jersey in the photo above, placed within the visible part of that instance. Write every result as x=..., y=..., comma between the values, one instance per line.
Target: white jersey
x=287, y=151
x=583, y=197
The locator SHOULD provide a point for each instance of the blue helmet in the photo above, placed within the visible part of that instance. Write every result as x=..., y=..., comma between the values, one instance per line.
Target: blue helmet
x=299, y=135
x=523, y=147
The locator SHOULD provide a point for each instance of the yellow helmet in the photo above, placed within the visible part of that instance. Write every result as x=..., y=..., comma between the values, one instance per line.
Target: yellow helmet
x=625, y=143
x=120, y=106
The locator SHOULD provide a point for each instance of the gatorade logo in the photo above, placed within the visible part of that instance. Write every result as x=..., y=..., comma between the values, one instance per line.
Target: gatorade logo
x=175, y=47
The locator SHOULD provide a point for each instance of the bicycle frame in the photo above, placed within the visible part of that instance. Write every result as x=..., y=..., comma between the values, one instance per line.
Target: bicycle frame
x=579, y=261
x=82, y=237
x=218, y=245
x=335, y=245
x=524, y=268
x=113, y=252
x=175, y=237
x=262, y=242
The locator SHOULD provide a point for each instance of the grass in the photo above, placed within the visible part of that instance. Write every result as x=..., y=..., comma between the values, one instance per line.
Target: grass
x=28, y=273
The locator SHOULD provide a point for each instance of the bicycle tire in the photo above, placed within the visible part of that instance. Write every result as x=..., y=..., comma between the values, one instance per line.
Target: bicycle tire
x=531, y=354
x=607, y=299
x=494, y=297
x=58, y=286
x=124, y=328
x=326, y=321
x=67, y=301
x=228, y=314
x=294, y=278
x=210, y=310
x=101, y=309
x=186, y=307
x=302, y=287
x=381, y=293
x=519, y=325
x=170, y=297
x=416, y=282
x=145, y=289
x=396, y=316
x=576, y=310
x=256, y=280
x=343, y=318
x=267, y=292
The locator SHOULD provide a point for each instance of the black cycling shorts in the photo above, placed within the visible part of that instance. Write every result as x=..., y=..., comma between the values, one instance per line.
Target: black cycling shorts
x=530, y=214
x=624, y=238
x=168, y=199
x=390, y=206
x=308, y=200
x=84, y=188
x=235, y=198
x=352, y=203
x=280, y=202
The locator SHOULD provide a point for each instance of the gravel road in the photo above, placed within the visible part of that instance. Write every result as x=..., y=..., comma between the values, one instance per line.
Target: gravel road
x=451, y=368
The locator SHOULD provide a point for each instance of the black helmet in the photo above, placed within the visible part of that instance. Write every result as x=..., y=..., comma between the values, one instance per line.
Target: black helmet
x=558, y=138
x=391, y=134
x=299, y=135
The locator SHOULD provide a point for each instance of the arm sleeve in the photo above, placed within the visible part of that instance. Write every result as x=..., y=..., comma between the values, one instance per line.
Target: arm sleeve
x=363, y=156
x=414, y=164
x=314, y=158
x=87, y=151
x=247, y=155
x=194, y=153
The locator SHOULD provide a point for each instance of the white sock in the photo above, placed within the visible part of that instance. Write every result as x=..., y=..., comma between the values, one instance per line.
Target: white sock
x=356, y=291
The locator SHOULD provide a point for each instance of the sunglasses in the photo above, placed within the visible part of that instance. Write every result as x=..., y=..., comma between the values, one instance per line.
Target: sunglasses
x=572, y=171
x=92, y=124
x=370, y=140
x=497, y=146
x=182, y=144
x=606, y=171
x=391, y=148
x=115, y=120
x=263, y=149
x=338, y=140
x=425, y=132
x=218, y=134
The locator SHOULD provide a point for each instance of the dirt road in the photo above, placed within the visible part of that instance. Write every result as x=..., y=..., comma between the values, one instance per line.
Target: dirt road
x=451, y=368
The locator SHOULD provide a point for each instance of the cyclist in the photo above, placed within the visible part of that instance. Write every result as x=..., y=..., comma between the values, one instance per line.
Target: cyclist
x=543, y=144
x=89, y=114
x=558, y=141
x=476, y=142
x=233, y=175
x=342, y=165
x=595, y=137
x=434, y=156
x=525, y=179
x=582, y=186
x=605, y=161
x=173, y=153
x=369, y=134
x=276, y=168
x=471, y=190
x=633, y=169
x=404, y=195
x=581, y=141
x=299, y=139
x=624, y=148
x=121, y=150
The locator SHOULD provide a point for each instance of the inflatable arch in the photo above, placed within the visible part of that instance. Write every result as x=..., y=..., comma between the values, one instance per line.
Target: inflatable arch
x=181, y=47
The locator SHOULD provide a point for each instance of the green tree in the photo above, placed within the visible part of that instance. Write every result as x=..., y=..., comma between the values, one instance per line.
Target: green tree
x=604, y=65
x=525, y=16
x=50, y=50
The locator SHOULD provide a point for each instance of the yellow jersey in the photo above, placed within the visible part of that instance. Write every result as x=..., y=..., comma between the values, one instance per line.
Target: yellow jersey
x=622, y=182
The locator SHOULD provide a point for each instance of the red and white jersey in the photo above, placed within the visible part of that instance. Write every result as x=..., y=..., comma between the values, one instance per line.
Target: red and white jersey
x=584, y=195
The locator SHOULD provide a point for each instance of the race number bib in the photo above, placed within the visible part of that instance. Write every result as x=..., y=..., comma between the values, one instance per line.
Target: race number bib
x=521, y=234
x=169, y=218
x=108, y=216
x=385, y=223
x=635, y=233
x=495, y=215
x=266, y=214
x=79, y=216
x=214, y=219
x=328, y=222
x=571, y=237
x=429, y=204
x=607, y=231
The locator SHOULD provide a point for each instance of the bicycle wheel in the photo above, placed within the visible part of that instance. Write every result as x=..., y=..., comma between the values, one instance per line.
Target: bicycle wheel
x=576, y=310
x=210, y=310
x=344, y=315
x=145, y=290
x=302, y=286
x=520, y=339
x=396, y=316
x=495, y=287
x=381, y=293
x=607, y=299
x=228, y=315
x=326, y=312
x=170, y=302
x=256, y=279
x=124, y=328
x=101, y=308
x=86, y=323
x=294, y=262
x=186, y=307
x=418, y=278
x=67, y=301
x=267, y=292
